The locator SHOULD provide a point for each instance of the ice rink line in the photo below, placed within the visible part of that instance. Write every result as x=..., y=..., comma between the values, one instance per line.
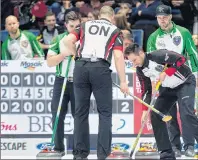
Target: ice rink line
x=69, y=156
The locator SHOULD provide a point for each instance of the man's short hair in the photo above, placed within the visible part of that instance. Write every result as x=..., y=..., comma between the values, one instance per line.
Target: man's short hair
x=49, y=13
x=72, y=15
x=107, y=10
x=127, y=36
x=132, y=49
x=10, y=17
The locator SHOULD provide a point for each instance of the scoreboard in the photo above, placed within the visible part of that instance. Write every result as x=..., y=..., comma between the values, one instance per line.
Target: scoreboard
x=27, y=89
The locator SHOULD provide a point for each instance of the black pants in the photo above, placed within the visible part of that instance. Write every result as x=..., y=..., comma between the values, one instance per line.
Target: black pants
x=68, y=96
x=174, y=131
x=185, y=96
x=92, y=77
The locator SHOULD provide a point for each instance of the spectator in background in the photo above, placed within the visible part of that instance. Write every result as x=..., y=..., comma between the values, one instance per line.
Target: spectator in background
x=186, y=15
x=108, y=3
x=145, y=18
x=30, y=14
x=93, y=15
x=50, y=30
x=126, y=7
x=78, y=3
x=83, y=17
x=120, y=21
x=61, y=8
x=87, y=7
x=19, y=45
x=137, y=3
x=7, y=8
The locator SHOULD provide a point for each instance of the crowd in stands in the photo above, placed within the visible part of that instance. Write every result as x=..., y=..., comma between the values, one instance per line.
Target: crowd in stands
x=48, y=16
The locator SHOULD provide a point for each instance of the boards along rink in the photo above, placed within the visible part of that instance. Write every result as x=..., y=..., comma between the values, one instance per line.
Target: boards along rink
x=146, y=151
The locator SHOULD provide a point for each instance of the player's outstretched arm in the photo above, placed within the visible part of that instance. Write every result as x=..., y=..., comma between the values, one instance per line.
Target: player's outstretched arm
x=120, y=67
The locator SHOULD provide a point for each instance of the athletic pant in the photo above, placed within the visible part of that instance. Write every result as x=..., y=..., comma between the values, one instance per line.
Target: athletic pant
x=92, y=77
x=174, y=131
x=185, y=96
x=68, y=96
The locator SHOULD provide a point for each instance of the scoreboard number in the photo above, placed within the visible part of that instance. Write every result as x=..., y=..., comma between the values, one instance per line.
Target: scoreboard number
x=39, y=79
x=49, y=107
x=15, y=80
x=27, y=107
x=4, y=80
x=28, y=93
x=4, y=107
x=50, y=79
x=125, y=107
x=27, y=79
x=40, y=107
x=4, y=93
x=15, y=107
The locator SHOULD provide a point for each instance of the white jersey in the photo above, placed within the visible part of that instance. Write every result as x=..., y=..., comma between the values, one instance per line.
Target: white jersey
x=98, y=38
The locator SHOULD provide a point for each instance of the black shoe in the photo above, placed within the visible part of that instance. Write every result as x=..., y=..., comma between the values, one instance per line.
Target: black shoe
x=177, y=152
x=190, y=152
x=169, y=154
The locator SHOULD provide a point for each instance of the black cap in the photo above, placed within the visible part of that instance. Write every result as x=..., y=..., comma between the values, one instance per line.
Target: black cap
x=163, y=10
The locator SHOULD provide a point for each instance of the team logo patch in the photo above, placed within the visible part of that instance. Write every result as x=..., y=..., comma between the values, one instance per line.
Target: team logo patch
x=24, y=43
x=161, y=9
x=161, y=44
x=177, y=40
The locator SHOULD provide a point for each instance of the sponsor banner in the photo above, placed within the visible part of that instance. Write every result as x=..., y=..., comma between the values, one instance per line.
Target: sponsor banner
x=138, y=109
x=128, y=66
x=42, y=124
x=41, y=66
x=24, y=146
x=126, y=144
x=25, y=66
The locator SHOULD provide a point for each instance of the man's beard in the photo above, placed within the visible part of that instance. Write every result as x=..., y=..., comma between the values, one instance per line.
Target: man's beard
x=14, y=32
x=165, y=26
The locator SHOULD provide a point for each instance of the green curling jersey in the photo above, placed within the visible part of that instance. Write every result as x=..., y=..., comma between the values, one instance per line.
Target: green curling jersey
x=56, y=47
x=24, y=47
x=178, y=40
